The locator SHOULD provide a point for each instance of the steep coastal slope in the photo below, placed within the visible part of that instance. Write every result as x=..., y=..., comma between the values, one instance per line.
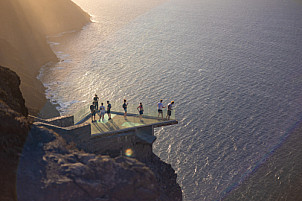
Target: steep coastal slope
x=38, y=164
x=13, y=131
x=23, y=45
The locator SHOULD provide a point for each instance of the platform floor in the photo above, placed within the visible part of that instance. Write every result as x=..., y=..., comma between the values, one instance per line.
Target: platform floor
x=118, y=122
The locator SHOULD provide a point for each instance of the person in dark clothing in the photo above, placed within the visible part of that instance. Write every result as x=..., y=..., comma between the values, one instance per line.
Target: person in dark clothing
x=92, y=110
x=108, y=110
x=125, y=105
x=169, y=111
x=96, y=102
x=140, y=109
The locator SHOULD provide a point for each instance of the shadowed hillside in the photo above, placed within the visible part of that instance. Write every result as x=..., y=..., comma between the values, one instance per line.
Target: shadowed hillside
x=23, y=45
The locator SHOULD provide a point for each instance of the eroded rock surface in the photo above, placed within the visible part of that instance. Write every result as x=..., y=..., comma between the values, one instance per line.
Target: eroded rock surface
x=51, y=169
x=13, y=131
x=10, y=93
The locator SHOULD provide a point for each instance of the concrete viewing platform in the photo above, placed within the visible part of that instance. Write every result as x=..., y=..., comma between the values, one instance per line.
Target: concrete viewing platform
x=111, y=137
x=116, y=125
x=119, y=124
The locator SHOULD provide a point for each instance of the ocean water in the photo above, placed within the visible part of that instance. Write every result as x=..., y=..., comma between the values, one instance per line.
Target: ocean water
x=233, y=68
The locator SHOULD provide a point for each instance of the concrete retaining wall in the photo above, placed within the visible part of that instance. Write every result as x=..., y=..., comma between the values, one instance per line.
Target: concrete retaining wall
x=139, y=140
x=63, y=121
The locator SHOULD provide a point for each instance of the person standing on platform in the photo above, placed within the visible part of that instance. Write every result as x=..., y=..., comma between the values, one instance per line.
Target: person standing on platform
x=140, y=109
x=160, y=107
x=102, y=112
x=92, y=110
x=125, y=105
x=169, y=111
x=96, y=102
x=108, y=110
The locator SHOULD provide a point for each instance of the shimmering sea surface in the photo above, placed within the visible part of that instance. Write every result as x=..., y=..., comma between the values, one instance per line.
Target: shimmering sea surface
x=233, y=68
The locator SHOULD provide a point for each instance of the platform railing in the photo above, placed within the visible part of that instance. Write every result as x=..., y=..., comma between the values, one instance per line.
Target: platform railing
x=81, y=115
x=116, y=108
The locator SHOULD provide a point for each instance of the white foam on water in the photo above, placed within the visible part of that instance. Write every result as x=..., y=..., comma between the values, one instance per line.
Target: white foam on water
x=53, y=43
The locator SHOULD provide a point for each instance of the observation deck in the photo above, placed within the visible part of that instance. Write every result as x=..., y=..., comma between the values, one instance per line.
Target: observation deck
x=115, y=137
x=119, y=124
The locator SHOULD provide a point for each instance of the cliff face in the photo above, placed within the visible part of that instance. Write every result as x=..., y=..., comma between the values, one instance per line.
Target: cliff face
x=169, y=189
x=13, y=131
x=61, y=172
x=38, y=164
x=24, y=49
x=10, y=93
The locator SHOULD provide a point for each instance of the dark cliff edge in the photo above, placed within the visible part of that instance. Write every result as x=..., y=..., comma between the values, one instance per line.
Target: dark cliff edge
x=23, y=45
x=38, y=164
x=13, y=131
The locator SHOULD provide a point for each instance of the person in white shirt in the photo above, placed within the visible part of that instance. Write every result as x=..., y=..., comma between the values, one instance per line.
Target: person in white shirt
x=160, y=107
x=102, y=112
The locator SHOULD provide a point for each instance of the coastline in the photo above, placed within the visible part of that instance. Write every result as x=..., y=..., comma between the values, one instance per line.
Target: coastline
x=24, y=47
x=114, y=16
x=30, y=170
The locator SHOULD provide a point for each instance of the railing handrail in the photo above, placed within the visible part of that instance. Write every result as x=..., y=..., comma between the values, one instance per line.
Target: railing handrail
x=149, y=112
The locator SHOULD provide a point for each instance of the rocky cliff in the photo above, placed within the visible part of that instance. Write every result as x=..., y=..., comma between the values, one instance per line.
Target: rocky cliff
x=50, y=169
x=13, y=131
x=23, y=45
x=38, y=164
x=10, y=94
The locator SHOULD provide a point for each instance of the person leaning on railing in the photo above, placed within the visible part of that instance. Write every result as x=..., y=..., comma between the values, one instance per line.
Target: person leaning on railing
x=169, y=111
x=160, y=107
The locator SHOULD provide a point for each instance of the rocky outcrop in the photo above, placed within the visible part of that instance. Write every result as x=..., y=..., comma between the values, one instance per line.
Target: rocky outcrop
x=166, y=177
x=50, y=169
x=10, y=93
x=13, y=124
x=13, y=131
x=59, y=168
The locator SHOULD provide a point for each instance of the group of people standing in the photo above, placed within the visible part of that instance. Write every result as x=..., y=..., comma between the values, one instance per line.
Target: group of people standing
x=160, y=107
x=95, y=106
x=94, y=109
